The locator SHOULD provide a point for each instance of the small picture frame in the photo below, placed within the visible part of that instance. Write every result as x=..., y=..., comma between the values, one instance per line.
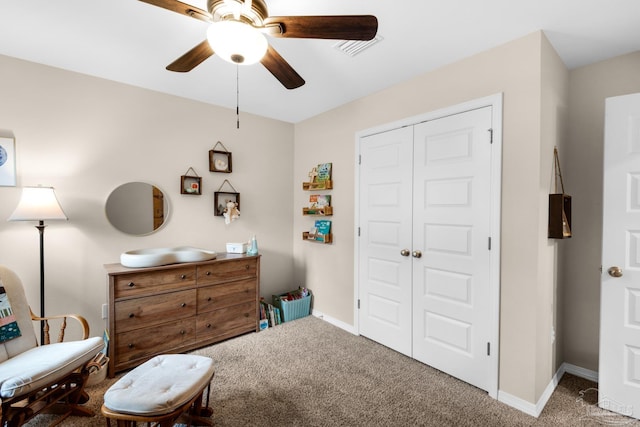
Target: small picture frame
x=220, y=200
x=220, y=160
x=191, y=184
x=7, y=162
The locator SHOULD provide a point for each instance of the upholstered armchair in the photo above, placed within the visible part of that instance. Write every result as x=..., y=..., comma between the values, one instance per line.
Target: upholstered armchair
x=35, y=378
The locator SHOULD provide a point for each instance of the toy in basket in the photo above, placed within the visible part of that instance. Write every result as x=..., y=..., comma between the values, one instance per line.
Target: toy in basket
x=293, y=305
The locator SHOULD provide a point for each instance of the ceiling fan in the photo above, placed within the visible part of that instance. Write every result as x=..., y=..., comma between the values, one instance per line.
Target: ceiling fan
x=237, y=33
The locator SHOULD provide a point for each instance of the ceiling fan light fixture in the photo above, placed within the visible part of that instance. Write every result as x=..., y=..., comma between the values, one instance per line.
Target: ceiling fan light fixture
x=237, y=42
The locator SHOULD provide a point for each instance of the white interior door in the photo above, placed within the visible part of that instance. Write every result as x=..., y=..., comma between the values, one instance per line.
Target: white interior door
x=619, y=372
x=385, y=231
x=451, y=228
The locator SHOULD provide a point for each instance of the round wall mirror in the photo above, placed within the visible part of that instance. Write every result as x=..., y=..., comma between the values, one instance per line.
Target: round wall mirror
x=137, y=208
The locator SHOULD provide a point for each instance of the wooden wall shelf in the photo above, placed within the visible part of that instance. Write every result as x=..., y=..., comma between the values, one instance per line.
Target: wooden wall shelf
x=328, y=238
x=322, y=185
x=323, y=211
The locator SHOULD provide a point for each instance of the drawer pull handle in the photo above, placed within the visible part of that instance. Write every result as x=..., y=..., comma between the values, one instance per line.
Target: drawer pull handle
x=182, y=332
x=183, y=276
x=209, y=299
x=184, y=304
x=131, y=284
x=208, y=273
x=208, y=325
x=131, y=315
x=247, y=267
x=130, y=346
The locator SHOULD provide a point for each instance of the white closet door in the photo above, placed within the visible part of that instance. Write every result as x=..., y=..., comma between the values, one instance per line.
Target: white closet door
x=385, y=232
x=451, y=226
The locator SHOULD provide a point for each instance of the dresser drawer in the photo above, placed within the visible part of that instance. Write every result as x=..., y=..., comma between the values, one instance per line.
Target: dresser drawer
x=147, y=342
x=219, y=296
x=233, y=319
x=136, y=284
x=226, y=271
x=148, y=311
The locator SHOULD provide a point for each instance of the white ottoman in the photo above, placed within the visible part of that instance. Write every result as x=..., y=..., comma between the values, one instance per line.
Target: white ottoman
x=160, y=390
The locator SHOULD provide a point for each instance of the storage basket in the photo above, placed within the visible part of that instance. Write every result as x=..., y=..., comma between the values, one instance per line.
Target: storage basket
x=294, y=309
x=96, y=376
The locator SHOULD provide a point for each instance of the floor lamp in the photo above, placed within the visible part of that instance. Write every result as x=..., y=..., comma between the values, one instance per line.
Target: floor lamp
x=39, y=204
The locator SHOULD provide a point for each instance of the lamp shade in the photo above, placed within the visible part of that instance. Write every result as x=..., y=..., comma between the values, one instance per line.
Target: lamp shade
x=38, y=204
x=237, y=42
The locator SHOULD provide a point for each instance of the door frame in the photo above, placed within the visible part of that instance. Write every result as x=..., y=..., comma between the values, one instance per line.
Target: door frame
x=495, y=101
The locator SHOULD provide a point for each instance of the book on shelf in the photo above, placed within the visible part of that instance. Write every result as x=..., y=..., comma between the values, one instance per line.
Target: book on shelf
x=319, y=200
x=323, y=228
x=324, y=172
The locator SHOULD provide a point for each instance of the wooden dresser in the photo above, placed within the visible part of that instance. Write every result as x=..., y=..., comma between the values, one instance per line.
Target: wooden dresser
x=179, y=307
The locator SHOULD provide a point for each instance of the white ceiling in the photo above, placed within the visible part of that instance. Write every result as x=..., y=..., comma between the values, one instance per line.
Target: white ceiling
x=131, y=42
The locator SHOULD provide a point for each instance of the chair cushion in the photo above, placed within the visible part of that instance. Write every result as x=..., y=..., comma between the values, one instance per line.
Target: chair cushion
x=41, y=366
x=160, y=385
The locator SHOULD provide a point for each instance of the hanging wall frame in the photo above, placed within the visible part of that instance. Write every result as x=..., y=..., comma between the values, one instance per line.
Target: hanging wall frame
x=559, y=206
x=220, y=160
x=191, y=184
x=222, y=199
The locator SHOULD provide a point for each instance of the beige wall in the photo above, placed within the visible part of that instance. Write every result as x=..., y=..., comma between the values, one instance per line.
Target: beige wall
x=527, y=300
x=589, y=86
x=553, y=110
x=85, y=136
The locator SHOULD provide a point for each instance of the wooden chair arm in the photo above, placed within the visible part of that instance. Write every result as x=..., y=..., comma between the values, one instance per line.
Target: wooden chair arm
x=83, y=322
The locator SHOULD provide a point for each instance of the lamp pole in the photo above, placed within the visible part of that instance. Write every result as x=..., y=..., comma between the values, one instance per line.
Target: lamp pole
x=40, y=228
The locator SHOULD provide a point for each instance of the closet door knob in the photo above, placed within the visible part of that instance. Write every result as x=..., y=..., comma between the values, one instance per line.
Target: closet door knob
x=405, y=252
x=615, y=271
x=417, y=254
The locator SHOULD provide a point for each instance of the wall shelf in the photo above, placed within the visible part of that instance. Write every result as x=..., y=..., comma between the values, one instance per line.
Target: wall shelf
x=318, y=238
x=319, y=185
x=322, y=211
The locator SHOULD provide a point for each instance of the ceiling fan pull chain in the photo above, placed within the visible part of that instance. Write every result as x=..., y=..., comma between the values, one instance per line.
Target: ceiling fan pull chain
x=237, y=97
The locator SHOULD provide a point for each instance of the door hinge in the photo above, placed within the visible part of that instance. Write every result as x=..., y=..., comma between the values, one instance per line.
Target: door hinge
x=358, y=304
x=490, y=136
x=489, y=243
x=359, y=159
x=358, y=231
x=488, y=349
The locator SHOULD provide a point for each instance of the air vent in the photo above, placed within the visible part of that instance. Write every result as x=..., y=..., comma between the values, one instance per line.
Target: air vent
x=354, y=47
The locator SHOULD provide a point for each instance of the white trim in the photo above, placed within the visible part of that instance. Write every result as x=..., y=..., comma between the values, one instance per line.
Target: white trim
x=518, y=403
x=528, y=407
x=587, y=374
x=335, y=322
x=496, y=102
x=535, y=410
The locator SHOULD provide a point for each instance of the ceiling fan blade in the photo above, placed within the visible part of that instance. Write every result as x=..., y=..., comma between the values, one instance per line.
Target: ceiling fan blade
x=182, y=8
x=281, y=69
x=192, y=58
x=341, y=27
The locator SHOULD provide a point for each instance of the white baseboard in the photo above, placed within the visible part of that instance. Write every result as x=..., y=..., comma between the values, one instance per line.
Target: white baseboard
x=535, y=410
x=335, y=322
x=587, y=374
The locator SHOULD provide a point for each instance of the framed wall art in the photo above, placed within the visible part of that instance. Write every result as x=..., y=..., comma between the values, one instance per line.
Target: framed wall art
x=191, y=184
x=220, y=159
x=223, y=199
x=7, y=162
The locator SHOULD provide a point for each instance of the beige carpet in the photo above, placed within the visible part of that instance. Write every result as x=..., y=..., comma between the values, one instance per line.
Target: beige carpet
x=310, y=373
